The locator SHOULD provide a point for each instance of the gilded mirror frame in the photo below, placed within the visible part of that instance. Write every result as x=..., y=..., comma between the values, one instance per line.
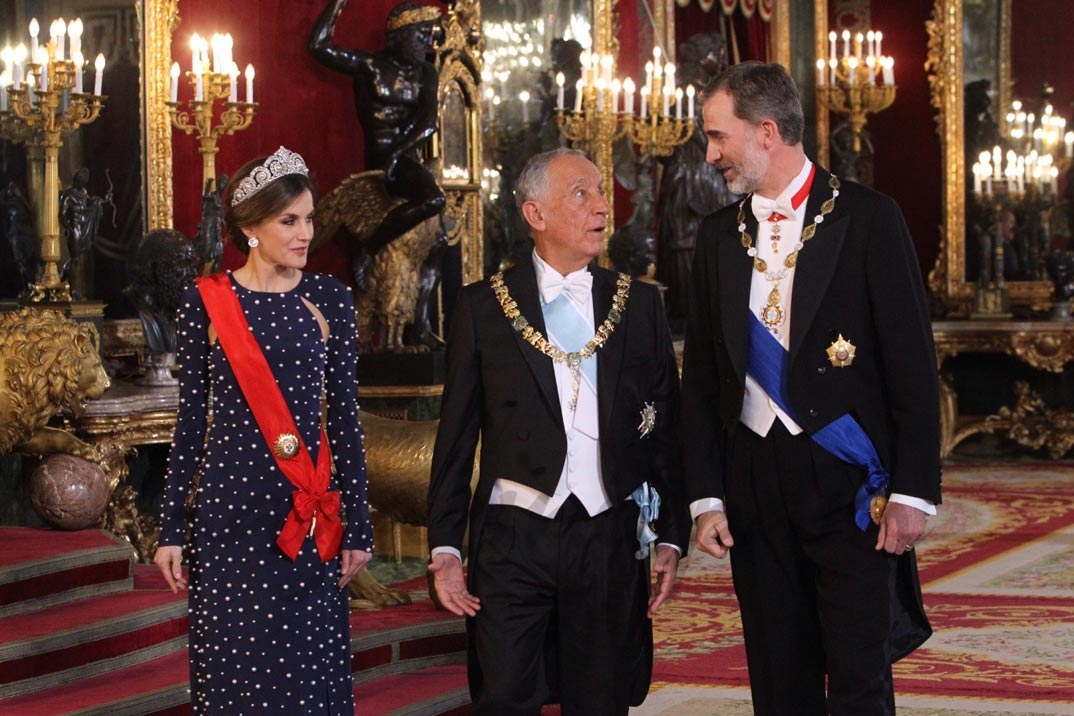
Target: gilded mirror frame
x=947, y=280
x=159, y=24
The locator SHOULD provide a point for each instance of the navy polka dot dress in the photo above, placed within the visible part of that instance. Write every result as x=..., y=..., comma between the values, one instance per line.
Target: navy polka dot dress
x=267, y=635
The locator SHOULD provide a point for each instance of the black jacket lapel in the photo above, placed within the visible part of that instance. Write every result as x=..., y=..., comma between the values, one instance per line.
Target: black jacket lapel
x=735, y=269
x=610, y=357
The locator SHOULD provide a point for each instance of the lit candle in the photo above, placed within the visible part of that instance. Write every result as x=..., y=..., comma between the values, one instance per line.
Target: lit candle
x=579, y=90
x=831, y=45
x=199, y=87
x=831, y=71
x=879, y=36
x=667, y=100
x=61, y=30
x=858, y=39
x=173, y=90
x=1068, y=140
x=583, y=59
x=600, y=95
x=888, y=66
x=852, y=69
x=78, y=60
x=648, y=74
x=846, y=43
x=74, y=31
x=524, y=98
x=98, y=76
x=870, y=39
x=250, y=83
x=616, y=86
x=43, y=81
x=820, y=72
x=229, y=45
x=195, y=50
x=678, y=103
x=690, y=92
x=606, y=69
x=976, y=178
x=233, y=93
x=5, y=80
x=628, y=102
x=643, y=102
x=997, y=162
x=559, y=90
x=35, y=30
x=20, y=63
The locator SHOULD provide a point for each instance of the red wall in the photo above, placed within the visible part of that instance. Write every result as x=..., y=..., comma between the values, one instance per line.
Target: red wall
x=1042, y=51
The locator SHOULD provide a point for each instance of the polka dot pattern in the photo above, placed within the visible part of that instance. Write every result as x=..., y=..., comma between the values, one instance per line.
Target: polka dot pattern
x=267, y=635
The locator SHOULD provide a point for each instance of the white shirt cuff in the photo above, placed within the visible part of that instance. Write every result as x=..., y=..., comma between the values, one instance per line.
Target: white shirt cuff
x=705, y=504
x=446, y=550
x=924, y=505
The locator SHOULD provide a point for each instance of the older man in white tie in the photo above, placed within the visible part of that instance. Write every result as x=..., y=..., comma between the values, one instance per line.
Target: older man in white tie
x=567, y=374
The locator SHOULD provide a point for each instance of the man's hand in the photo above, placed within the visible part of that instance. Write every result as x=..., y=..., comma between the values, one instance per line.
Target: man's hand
x=900, y=528
x=170, y=561
x=450, y=585
x=666, y=567
x=713, y=536
x=351, y=562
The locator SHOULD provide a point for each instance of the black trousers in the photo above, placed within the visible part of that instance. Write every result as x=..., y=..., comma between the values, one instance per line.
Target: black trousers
x=562, y=615
x=814, y=594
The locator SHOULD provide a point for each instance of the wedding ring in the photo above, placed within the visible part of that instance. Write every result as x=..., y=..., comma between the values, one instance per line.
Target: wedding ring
x=909, y=547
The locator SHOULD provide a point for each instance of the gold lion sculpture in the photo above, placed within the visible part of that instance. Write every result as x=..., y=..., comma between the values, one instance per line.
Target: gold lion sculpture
x=388, y=306
x=48, y=363
x=399, y=455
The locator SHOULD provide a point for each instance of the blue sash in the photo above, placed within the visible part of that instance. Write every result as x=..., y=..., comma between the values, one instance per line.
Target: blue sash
x=843, y=437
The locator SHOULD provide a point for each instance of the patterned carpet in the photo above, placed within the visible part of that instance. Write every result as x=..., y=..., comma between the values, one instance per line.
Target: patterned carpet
x=998, y=574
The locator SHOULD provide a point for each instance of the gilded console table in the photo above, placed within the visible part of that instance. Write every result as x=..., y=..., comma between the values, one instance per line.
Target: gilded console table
x=1043, y=345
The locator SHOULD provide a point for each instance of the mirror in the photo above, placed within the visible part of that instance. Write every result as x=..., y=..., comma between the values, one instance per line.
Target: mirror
x=970, y=41
x=127, y=149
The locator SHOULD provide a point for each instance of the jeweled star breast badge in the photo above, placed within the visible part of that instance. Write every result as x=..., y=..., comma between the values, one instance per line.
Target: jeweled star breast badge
x=648, y=420
x=841, y=352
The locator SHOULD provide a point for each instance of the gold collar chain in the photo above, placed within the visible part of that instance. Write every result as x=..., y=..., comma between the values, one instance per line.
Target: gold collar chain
x=534, y=337
x=791, y=259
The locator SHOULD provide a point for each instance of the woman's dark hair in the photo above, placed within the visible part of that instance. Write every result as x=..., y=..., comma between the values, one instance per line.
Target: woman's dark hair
x=272, y=199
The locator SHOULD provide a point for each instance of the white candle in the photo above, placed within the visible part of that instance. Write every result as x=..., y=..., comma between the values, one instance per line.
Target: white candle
x=997, y=162
x=559, y=90
x=820, y=72
x=669, y=74
x=628, y=101
x=78, y=60
x=852, y=69
x=648, y=75
x=888, y=66
x=195, y=53
x=678, y=103
x=616, y=87
x=667, y=100
x=30, y=87
x=74, y=31
x=98, y=76
x=976, y=178
x=690, y=92
x=524, y=98
x=5, y=80
x=831, y=45
x=600, y=95
x=643, y=103
x=250, y=83
x=61, y=31
x=173, y=89
x=870, y=40
x=233, y=90
x=846, y=43
x=831, y=71
x=606, y=69
x=229, y=45
x=583, y=59
x=20, y=63
x=579, y=90
x=35, y=30
x=43, y=82
x=858, y=39
x=879, y=36
x=1068, y=140
x=199, y=87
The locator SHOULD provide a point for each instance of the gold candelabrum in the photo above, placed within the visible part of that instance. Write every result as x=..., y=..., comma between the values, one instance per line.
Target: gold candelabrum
x=42, y=112
x=201, y=119
x=859, y=83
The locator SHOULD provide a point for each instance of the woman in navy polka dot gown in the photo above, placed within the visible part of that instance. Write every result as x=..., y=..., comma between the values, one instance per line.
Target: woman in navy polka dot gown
x=268, y=635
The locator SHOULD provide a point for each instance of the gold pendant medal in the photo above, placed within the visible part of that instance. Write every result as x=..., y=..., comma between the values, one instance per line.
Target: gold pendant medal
x=286, y=446
x=772, y=314
x=841, y=352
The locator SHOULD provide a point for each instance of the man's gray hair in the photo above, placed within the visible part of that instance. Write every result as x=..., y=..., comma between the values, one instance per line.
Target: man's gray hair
x=532, y=181
x=762, y=91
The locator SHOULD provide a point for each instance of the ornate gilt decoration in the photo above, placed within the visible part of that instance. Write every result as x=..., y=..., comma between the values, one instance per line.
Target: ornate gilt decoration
x=947, y=280
x=1032, y=424
x=459, y=66
x=160, y=21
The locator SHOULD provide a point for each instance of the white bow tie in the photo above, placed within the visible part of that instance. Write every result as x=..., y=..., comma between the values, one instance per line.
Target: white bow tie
x=577, y=284
x=764, y=208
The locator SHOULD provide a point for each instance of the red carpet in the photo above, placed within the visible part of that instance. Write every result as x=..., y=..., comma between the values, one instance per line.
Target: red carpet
x=998, y=575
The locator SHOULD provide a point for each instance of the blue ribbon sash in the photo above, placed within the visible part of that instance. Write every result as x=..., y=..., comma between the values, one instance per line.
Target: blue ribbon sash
x=843, y=437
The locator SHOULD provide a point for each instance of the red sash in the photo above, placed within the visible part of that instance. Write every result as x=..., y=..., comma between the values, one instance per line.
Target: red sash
x=315, y=510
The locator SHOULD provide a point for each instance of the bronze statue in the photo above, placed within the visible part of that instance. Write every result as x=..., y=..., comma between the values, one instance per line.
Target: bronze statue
x=690, y=188
x=164, y=262
x=396, y=95
x=80, y=217
x=20, y=235
x=209, y=241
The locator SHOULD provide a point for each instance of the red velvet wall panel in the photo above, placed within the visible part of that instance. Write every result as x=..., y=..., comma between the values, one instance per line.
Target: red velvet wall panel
x=1041, y=51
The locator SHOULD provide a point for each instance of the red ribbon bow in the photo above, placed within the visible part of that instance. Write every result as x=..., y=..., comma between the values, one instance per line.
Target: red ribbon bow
x=317, y=513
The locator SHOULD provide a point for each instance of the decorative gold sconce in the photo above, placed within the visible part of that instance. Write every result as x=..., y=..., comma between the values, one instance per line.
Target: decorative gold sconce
x=212, y=80
x=848, y=85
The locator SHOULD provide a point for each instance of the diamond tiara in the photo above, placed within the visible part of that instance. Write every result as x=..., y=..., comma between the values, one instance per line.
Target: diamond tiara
x=281, y=163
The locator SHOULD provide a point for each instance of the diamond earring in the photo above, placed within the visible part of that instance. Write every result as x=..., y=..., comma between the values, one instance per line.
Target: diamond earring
x=252, y=242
